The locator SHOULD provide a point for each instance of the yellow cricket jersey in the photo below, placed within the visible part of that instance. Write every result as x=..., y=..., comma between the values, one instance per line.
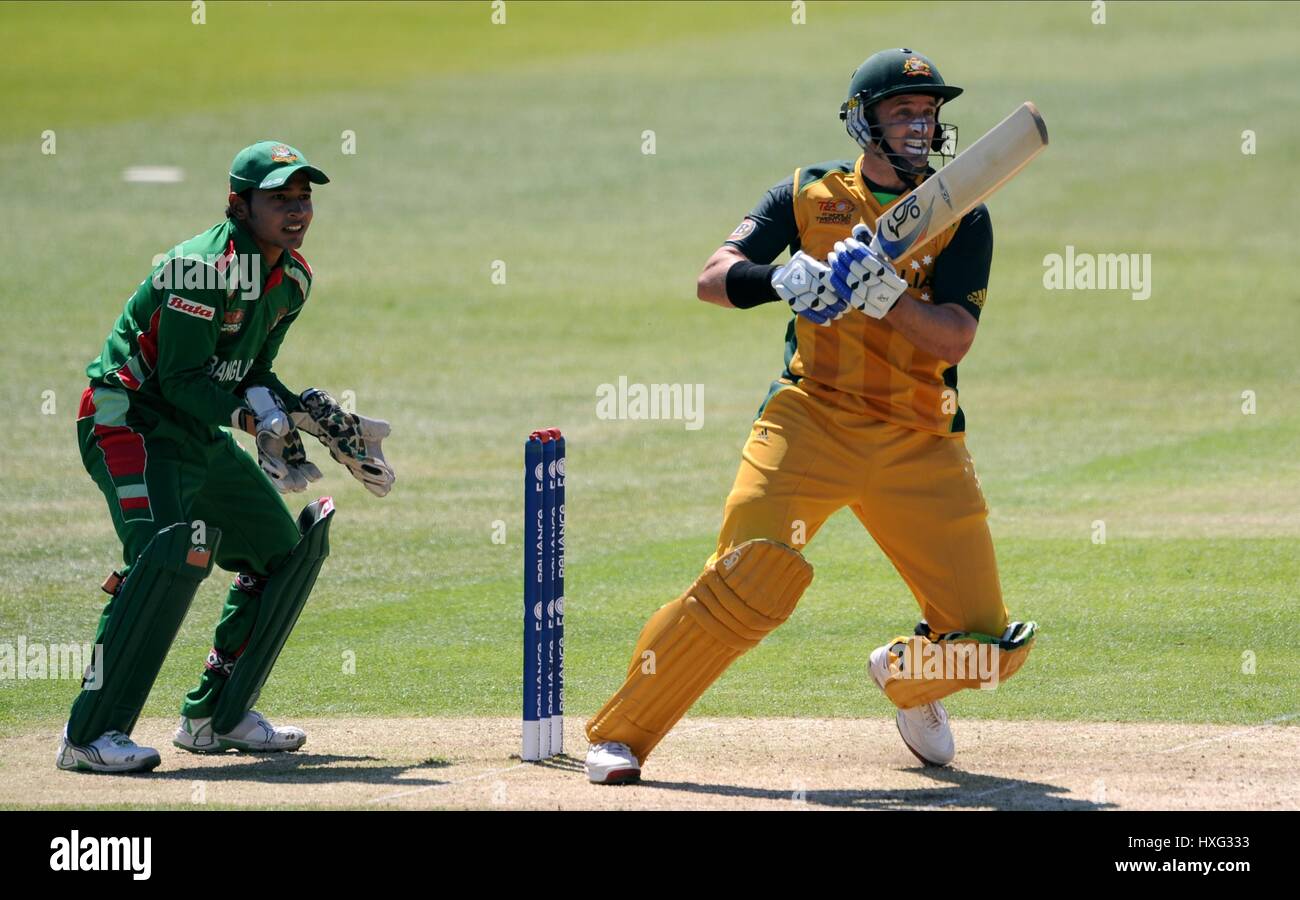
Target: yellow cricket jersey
x=857, y=361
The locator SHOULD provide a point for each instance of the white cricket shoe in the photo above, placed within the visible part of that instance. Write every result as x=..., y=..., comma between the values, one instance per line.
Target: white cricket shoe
x=924, y=729
x=112, y=751
x=610, y=762
x=253, y=733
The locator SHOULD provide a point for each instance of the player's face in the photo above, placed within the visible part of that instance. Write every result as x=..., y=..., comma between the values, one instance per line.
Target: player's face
x=279, y=217
x=909, y=122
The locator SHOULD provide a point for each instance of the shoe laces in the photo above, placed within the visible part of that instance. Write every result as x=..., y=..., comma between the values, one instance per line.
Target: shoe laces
x=932, y=717
x=118, y=738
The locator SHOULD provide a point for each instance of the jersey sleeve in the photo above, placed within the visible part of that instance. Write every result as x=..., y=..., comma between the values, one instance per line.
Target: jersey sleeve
x=261, y=374
x=961, y=271
x=189, y=323
x=770, y=228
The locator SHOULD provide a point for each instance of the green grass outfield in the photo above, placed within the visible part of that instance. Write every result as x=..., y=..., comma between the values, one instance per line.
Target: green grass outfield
x=522, y=142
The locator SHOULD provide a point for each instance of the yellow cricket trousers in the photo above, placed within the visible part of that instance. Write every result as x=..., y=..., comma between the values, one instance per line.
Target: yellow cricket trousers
x=811, y=452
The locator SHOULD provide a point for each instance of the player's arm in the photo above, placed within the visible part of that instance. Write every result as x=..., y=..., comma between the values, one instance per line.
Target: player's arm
x=945, y=331
x=749, y=250
x=189, y=324
x=740, y=274
x=946, y=327
x=262, y=375
x=711, y=286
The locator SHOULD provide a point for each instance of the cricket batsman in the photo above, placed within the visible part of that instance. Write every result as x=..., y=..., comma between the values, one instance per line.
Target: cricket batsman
x=865, y=415
x=191, y=354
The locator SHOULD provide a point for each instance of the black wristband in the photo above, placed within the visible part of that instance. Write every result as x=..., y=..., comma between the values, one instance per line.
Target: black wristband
x=750, y=285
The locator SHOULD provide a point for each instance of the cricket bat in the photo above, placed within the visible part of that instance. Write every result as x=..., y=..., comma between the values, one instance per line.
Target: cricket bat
x=954, y=190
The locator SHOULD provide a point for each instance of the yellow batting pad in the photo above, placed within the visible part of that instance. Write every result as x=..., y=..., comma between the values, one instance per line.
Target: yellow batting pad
x=689, y=642
x=922, y=669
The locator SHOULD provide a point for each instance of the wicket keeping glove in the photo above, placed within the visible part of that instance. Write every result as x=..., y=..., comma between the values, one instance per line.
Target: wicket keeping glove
x=280, y=452
x=354, y=441
x=804, y=283
x=864, y=279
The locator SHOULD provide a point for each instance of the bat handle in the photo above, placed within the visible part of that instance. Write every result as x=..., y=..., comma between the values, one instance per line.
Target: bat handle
x=874, y=245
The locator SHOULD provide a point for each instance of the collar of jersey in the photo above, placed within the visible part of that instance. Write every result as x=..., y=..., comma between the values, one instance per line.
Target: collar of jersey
x=867, y=186
x=245, y=245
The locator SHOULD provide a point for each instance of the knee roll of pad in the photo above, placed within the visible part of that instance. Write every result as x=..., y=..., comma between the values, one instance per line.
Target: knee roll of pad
x=691, y=641
x=746, y=594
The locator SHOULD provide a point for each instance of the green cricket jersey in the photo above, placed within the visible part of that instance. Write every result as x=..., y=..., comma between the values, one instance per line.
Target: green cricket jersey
x=203, y=327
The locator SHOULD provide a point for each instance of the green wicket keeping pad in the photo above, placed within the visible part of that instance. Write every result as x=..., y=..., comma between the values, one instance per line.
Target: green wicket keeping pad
x=139, y=626
x=282, y=601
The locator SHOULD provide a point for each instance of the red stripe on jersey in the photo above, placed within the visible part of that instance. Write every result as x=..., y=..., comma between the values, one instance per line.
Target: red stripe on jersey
x=148, y=341
x=126, y=378
x=133, y=502
x=224, y=259
x=123, y=450
x=87, y=407
x=298, y=256
x=276, y=277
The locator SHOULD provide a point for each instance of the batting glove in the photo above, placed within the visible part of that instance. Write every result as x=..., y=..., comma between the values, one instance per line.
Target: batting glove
x=865, y=280
x=804, y=283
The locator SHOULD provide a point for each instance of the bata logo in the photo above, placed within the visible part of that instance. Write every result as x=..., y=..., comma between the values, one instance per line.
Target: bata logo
x=190, y=308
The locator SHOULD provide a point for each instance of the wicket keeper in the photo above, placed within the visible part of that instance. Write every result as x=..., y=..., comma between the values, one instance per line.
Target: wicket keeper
x=865, y=415
x=191, y=354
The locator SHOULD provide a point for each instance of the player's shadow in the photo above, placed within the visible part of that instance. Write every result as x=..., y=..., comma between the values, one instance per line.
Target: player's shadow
x=307, y=768
x=954, y=789
x=562, y=762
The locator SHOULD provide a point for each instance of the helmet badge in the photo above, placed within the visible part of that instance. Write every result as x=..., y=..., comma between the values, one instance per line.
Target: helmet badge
x=916, y=66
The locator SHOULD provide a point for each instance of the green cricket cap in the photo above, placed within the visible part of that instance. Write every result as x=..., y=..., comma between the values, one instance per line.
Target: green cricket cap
x=269, y=164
